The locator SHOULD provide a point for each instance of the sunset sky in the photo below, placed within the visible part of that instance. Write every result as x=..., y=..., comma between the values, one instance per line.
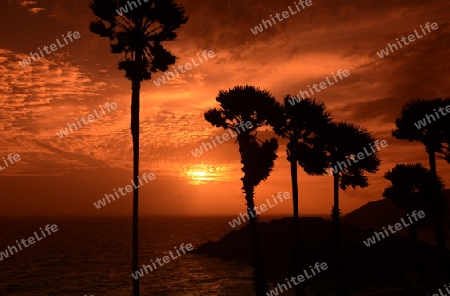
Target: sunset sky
x=65, y=176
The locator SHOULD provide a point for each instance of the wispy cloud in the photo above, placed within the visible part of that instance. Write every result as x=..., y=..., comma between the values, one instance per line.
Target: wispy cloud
x=28, y=4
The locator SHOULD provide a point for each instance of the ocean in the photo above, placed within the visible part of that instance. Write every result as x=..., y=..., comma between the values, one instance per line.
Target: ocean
x=92, y=256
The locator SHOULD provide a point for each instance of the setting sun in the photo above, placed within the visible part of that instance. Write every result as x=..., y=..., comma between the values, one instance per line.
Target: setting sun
x=203, y=173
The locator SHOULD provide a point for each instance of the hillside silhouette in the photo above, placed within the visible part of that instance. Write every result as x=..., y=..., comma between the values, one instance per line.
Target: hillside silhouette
x=368, y=216
x=367, y=269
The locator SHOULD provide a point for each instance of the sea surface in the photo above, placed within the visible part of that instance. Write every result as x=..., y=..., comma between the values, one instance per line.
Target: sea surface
x=92, y=256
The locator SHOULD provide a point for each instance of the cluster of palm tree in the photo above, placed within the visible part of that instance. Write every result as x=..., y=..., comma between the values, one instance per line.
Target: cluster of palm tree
x=315, y=142
x=414, y=187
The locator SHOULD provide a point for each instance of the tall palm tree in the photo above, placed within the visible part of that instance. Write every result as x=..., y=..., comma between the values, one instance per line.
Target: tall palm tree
x=301, y=123
x=434, y=133
x=139, y=34
x=249, y=104
x=411, y=188
x=345, y=141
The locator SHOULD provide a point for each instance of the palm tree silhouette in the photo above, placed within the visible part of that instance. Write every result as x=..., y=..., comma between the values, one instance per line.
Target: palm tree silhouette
x=411, y=187
x=301, y=123
x=249, y=104
x=342, y=142
x=435, y=136
x=139, y=35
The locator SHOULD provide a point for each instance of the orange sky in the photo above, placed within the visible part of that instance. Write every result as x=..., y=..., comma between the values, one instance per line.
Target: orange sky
x=65, y=176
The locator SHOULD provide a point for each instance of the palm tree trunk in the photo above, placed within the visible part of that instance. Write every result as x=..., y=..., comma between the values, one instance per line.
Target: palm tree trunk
x=418, y=268
x=438, y=221
x=442, y=249
x=294, y=181
x=339, y=269
x=260, y=284
x=439, y=228
x=135, y=106
x=298, y=264
x=432, y=160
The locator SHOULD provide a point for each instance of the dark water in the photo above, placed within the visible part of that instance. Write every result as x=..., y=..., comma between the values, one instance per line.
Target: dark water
x=92, y=256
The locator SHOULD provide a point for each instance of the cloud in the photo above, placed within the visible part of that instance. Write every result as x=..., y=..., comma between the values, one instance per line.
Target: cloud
x=33, y=10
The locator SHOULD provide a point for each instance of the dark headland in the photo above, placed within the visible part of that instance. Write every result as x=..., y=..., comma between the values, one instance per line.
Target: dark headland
x=380, y=267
